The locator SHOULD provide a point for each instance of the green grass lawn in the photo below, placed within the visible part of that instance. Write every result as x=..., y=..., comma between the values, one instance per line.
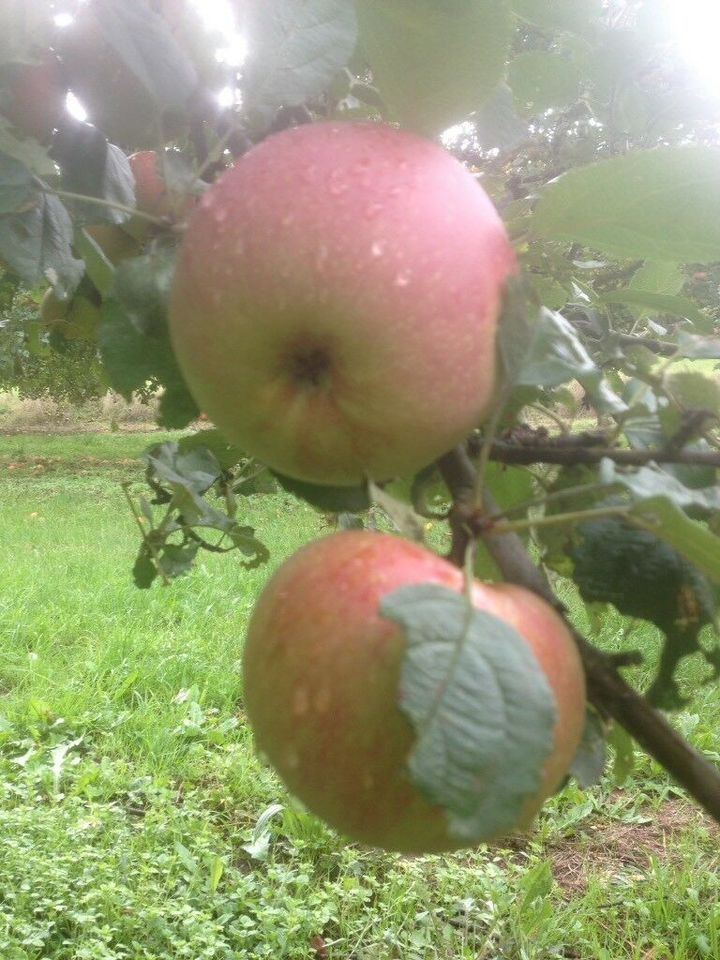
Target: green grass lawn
x=130, y=793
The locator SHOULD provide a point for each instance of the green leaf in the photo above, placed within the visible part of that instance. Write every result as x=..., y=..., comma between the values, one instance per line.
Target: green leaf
x=540, y=80
x=330, y=499
x=97, y=265
x=226, y=454
x=94, y=168
x=624, y=750
x=36, y=244
x=690, y=538
x=590, y=760
x=659, y=276
x=481, y=706
x=144, y=42
x=134, y=340
x=296, y=50
x=434, y=63
x=539, y=347
x=16, y=184
x=177, y=560
x=405, y=519
x=496, y=121
x=660, y=204
x=649, y=482
x=657, y=303
x=195, y=470
x=558, y=14
x=26, y=151
x=694, y=390
x=144, y=569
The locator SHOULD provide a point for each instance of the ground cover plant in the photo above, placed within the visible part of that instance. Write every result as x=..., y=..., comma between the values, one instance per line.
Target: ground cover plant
x=438, y=286
x=132, y=794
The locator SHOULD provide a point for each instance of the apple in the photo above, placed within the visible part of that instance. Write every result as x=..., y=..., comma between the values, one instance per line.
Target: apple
x=336, y=299
x=321, y=670
x=151, y=193
x=33, y=96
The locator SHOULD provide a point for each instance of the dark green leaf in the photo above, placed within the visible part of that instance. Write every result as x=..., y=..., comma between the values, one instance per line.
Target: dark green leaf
x=134, y=340
x=481, y=706
x=226, y=454
x=144, y=570
x=591, y=757
x=330, y=499
x=94, y=168
x=36, y=244
x=176, y=561
x=196, y=469
x=434, y=63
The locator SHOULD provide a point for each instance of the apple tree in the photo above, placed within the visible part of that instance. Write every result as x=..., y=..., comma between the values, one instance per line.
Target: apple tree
x=418, y=263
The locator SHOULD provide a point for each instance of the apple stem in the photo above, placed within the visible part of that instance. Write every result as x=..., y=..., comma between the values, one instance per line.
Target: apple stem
x=607, y=690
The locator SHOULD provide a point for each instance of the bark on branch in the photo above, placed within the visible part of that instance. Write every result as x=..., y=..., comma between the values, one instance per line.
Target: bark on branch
x=607, y=690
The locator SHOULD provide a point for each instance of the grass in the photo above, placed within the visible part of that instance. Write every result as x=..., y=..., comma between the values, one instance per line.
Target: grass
x=130, y=794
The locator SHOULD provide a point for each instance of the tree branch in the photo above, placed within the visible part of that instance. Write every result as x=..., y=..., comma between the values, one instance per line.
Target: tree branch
x=607, y=690
x=569, y=451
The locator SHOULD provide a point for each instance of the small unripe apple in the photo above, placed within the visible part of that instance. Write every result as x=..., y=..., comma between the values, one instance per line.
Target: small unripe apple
x=76, y=318
x=52, y=309
x=321, y=674
x=336, y=299
x=33, y=97
x=115, y=243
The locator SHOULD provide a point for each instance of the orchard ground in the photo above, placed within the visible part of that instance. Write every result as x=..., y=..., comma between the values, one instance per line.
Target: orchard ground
x=130, y=794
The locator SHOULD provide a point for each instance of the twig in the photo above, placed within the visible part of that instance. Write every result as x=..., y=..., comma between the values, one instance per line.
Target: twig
x=607, y=690
x=111, y=204
x=522, y=453
x=146, y=539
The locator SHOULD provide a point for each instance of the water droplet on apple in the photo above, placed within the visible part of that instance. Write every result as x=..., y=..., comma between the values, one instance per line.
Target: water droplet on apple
x=288, y=219
x=292, y=759
x=403, y=278
x=221, y=214
x=378, y=248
